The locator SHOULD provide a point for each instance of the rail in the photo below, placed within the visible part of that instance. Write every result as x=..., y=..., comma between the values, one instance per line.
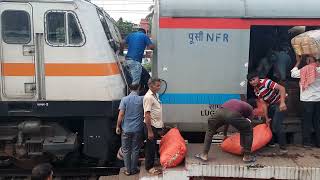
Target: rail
x=122, y=72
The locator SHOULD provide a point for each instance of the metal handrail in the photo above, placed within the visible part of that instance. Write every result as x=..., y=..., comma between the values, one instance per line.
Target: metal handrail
x=122, y=73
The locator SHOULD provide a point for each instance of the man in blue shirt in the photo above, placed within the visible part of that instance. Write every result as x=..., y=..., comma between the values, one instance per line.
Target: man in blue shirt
x=130, y=119
x=137, y=42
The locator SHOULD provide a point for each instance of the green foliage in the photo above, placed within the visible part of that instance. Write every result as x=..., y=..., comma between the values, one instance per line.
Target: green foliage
x=150, y=25
x=125, y=27
x=150, y=16
x=147, y=66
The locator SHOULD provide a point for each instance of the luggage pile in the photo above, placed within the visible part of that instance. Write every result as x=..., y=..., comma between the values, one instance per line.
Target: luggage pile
x=307, y=43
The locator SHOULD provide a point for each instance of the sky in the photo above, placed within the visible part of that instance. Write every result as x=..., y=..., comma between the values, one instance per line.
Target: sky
x=129, y=10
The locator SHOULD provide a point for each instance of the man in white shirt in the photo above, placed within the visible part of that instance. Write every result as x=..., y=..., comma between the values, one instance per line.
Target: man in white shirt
x=310, y=96
x=153, y=123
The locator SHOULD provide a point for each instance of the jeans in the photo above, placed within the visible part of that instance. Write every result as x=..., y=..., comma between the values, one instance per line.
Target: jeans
x=224, y=116
x=135, y=69
x=150, y=148
x=131, y=144
x=311, y=120
x=276, y=125
x=145, y=76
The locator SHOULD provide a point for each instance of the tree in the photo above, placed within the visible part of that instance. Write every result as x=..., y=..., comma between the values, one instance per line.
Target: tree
x=125, y=27
x=150, y=16
x=151, y=9
x=147, y=66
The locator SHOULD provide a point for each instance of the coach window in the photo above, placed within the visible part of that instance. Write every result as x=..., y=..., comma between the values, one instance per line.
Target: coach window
x=16, y=28
x=63, y=29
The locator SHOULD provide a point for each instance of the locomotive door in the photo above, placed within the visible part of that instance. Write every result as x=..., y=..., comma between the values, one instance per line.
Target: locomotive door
x=17, y=52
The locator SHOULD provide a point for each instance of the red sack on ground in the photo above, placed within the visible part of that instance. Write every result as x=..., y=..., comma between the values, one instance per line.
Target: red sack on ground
x=172, y=149
x=261, y=136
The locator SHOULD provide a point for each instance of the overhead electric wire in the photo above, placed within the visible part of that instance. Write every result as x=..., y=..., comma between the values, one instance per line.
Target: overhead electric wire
x=126, y=7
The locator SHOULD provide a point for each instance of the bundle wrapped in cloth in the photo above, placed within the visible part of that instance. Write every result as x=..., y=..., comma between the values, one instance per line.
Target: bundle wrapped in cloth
x=307, y=43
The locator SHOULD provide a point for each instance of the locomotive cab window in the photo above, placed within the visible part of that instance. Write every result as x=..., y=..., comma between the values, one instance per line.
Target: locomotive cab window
x=16, y=28
x=74, y=30
x=107, y=31
x=63, y=29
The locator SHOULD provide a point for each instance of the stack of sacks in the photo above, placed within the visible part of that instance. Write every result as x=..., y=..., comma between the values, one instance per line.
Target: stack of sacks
x=307, y=43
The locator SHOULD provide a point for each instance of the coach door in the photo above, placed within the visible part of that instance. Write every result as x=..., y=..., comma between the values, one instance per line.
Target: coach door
x=18, y=74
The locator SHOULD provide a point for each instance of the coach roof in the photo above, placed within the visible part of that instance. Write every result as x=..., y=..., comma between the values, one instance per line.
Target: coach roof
x=240, y=8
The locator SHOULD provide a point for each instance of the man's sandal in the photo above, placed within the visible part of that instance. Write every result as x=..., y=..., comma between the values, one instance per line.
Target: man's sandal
x=154, y=171
x=126, y=173
x=135, y=172
x=198, y=156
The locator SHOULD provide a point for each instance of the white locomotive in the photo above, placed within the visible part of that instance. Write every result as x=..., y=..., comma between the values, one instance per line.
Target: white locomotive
x=60, y=79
